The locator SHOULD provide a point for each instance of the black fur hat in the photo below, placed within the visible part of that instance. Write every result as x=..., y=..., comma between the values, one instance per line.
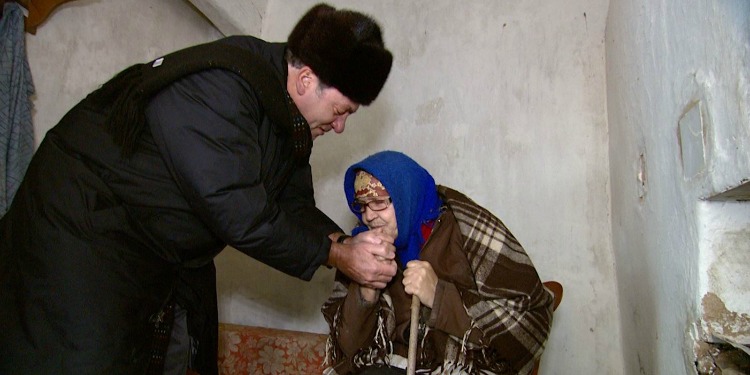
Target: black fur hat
x=345, y=50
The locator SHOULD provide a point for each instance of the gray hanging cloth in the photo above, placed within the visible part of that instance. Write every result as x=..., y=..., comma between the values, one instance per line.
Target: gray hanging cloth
x=16, y=89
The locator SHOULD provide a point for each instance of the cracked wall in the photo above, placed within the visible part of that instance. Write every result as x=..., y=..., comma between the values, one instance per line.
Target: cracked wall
x=725, y=264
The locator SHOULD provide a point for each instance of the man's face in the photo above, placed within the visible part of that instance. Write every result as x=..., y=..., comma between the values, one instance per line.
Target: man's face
x=325, y=108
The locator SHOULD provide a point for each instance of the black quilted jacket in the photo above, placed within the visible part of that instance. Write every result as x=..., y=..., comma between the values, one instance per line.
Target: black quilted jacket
x=94, y=244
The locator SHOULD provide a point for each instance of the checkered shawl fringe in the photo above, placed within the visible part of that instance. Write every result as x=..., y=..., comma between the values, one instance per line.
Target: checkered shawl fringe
x=509, y=309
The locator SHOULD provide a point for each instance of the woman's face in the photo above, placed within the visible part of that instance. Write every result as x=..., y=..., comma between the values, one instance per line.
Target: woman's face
x=384, y=220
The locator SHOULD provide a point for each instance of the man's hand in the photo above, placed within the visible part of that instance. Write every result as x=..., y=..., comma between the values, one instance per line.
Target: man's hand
x=367, y=259
x=420, y=280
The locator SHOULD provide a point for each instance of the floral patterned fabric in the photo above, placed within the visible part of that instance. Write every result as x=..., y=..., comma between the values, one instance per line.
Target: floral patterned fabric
x=258, y=350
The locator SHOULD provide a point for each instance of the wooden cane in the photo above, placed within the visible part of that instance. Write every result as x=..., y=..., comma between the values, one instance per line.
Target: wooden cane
x=411, y=367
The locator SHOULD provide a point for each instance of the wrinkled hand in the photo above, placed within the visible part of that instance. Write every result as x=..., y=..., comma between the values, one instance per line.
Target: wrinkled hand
x=378, y=236
x=367, y=259
x=420, y=280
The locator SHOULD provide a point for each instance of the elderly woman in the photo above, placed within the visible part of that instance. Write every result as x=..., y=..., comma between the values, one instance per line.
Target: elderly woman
x=484, y=309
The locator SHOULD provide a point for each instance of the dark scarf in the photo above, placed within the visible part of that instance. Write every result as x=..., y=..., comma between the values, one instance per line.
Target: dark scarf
x=301, y=134
x=130, y=91
x=413, y=192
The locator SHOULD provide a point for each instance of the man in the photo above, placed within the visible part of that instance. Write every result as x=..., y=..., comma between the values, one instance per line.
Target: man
x=483, y=310
x=106, y=254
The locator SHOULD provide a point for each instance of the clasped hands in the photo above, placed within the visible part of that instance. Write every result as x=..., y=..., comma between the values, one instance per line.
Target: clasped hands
x=372, y=266
x=367, y=258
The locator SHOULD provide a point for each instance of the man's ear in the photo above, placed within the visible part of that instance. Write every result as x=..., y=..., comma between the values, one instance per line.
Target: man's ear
x=305, y=80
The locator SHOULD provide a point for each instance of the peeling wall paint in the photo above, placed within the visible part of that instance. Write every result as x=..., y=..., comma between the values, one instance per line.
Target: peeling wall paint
x=719, y=320
x=671, y=247
x=725, y=270
x=729, y=273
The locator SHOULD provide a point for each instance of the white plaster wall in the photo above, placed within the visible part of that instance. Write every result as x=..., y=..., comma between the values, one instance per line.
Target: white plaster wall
x=662, y=57
x=86, y=42
x=505, y=101
x=234, y=17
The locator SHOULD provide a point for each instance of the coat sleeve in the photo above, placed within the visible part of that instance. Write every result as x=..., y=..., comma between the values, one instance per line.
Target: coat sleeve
x=206, y=126
x=298, y=200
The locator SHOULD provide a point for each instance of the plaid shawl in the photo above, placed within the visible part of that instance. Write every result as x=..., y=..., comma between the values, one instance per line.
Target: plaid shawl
x=511, y=311
x=510, y=306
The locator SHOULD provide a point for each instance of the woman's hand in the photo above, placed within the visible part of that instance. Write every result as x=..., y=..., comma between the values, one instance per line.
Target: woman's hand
x=420, y=280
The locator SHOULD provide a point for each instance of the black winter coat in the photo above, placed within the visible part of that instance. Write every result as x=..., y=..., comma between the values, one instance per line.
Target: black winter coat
x=94, y=244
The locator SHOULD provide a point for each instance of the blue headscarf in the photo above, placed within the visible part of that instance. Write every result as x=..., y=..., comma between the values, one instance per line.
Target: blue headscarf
x=412, y=190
